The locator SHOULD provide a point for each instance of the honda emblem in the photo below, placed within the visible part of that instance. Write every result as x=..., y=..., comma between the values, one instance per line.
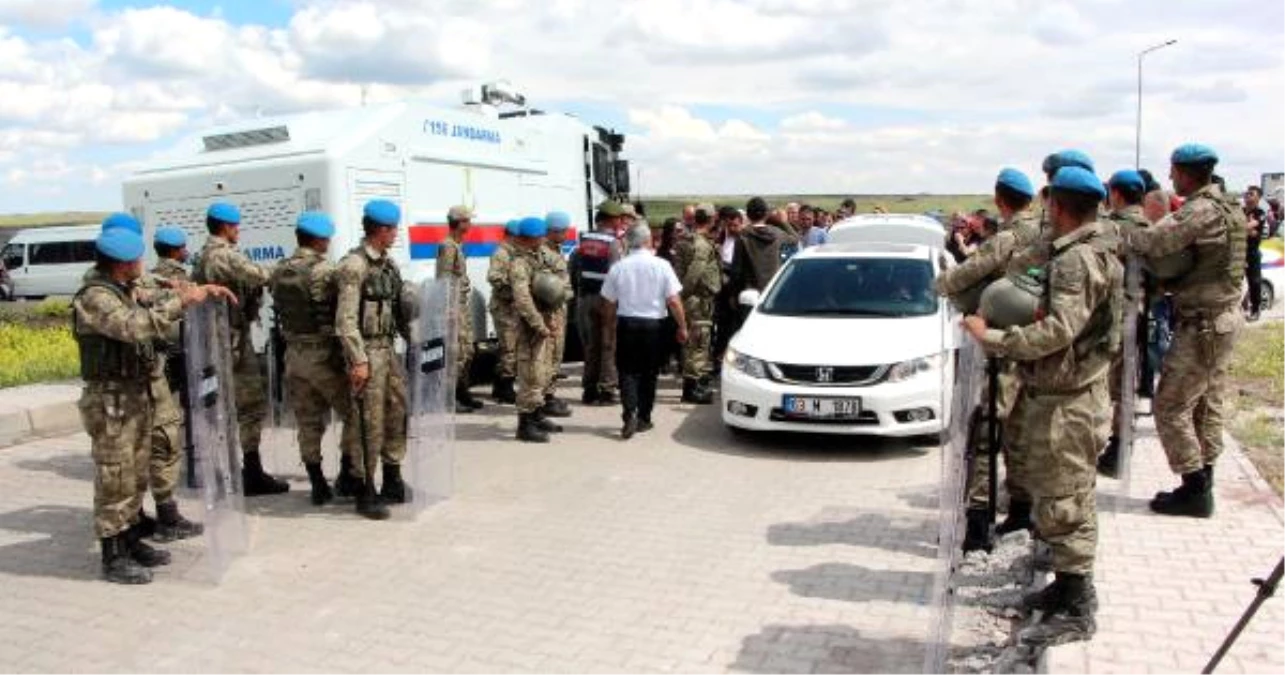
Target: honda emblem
x=825, y=374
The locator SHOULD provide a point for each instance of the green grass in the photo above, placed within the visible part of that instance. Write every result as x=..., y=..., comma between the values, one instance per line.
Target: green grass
x=1260, y=356
x=661, y=207
x=30, y=354
x=1256, y=392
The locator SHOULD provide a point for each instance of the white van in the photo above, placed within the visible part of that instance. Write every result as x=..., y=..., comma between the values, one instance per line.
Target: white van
x=49, y=260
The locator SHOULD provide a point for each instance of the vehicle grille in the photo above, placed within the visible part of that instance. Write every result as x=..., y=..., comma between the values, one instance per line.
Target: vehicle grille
x=842, y=375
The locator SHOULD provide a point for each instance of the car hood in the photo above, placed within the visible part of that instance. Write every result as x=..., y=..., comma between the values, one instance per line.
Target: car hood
x=834, y=341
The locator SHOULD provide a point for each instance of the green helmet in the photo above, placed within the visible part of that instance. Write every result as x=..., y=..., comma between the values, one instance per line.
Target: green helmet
x=1015, y=300
x=548, y=290
x=1172, y=266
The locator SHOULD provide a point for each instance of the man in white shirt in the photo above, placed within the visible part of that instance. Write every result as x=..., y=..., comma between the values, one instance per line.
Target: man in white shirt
x=638, y=291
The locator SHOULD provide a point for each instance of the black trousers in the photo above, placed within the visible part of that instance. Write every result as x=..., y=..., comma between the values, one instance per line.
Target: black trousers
x=1254, y=278
x=640, y=346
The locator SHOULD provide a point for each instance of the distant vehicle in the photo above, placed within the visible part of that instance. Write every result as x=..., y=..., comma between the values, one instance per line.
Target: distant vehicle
x=1273, y=272
x=46, y=261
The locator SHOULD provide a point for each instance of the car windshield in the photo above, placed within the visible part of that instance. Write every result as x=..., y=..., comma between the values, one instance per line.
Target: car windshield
x=847, y=287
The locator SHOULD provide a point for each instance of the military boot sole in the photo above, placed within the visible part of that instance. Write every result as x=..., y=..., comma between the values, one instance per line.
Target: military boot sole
x=375, y=513
x=1177, y=504
x=263, y=484
x=1057, y=629
x=532, y=436
x=126, y=572
x=184, y=530
x=149, y=557
x=396, y=495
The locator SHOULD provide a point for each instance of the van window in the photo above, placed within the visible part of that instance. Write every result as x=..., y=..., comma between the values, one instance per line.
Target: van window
x=12, y=256
x=61, y=252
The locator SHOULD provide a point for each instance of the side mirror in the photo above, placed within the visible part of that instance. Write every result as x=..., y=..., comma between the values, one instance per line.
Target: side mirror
x=748, y=298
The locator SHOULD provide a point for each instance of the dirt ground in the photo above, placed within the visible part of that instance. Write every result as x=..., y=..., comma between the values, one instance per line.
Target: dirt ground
x=1256, y=398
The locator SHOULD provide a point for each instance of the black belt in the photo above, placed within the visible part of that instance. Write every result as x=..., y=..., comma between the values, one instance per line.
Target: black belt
x=638, y=322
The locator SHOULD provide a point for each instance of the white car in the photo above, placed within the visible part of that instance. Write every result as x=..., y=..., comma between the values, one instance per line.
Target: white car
x=847, y=338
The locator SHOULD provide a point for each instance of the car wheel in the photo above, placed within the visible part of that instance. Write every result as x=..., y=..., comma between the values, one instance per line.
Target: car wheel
x=1269, y=296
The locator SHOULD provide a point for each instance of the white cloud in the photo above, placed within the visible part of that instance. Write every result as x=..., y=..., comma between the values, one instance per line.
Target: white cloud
x=44, y=14
x=1061, y=25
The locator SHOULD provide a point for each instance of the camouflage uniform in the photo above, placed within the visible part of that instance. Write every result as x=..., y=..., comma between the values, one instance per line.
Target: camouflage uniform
x=554, y=263
x=304, y=298
x=1117, y=227
x=371, y=298
x=451, y=262
x=699, y=270
x=532, y=342
x=1064, y=360
x=221, y=263
x=167, y=432
x=117, y=339
x=991, y=261
x=1188, y=406
x=501, y=306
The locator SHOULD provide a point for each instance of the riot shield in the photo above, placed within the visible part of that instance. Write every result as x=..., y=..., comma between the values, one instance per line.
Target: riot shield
x=279, y=446
x=213, y=462
x=1129, y=372
x=430, y=362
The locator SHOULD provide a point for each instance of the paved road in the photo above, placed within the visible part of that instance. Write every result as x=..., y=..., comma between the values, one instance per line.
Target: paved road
x=682, y=550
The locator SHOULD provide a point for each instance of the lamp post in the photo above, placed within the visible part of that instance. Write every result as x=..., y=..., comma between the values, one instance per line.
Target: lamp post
x=1137, y=143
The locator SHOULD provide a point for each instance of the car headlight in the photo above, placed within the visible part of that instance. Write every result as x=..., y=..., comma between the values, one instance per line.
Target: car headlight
x=746, y=364
x=899, y=372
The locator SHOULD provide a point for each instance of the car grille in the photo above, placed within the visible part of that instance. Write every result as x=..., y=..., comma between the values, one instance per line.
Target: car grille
x=839, y=375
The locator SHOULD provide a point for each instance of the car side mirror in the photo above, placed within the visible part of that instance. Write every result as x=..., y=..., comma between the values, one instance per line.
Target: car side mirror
x=748, y=297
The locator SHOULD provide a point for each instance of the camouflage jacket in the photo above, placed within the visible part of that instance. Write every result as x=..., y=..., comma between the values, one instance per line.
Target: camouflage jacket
x=1118, y=226
x=393, y=317
x=170, y=269
x=497, y=274
x=554, y=263
x=451, y=261
x=526, y=264
x=1073, y=344
x=322, y=292
x=221, y=263
x=697, y=266
x=992, y=258
x=148, y=316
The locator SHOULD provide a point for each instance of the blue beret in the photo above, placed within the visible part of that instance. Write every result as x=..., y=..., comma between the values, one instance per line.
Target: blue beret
x=1127, y=178
x=171, y=236
x=1194, y=153
x=532, y=226
x=1065, y=158
x=123, y=221
x=1076, y=179
x=558, y=221
x=513, y=226
x=224, y=212
x=316, y=224
x=1015, y=180
x=383, y=212
x=120, y=244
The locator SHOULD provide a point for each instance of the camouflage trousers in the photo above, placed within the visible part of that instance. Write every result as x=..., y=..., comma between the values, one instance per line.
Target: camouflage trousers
x=700, y=331
x=375, y=428
x=251, y=390
x=598, y=338
x=463, y=339
x=316, y=384
x=979, y=477
x=1062, y=434
x=1189, y=402
x=166, y=442
x=533, y=368
x=118, y=419
x=556, y=347
x=506, y=335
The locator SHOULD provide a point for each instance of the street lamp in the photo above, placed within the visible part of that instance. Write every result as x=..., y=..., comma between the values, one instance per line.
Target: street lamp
x=1137, y=144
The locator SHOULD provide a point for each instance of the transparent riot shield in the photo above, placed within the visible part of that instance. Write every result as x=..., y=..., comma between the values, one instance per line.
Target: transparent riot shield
x=213, y=455
x=1131, y=353
x=961, y=388
x=279, y=446
x=429, y=467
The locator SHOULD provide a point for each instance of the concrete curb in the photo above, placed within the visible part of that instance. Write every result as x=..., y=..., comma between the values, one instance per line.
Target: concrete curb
x=51, y=412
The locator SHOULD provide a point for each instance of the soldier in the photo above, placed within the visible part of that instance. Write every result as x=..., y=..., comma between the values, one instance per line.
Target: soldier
x=501, y=306
x=370, y=314
x=116, y=336
x=597, y=252
x=1018, y=230
x=558, y=223
x=452, y=263
x=223, y=264
x=697, y=266
x=1125, y=190
x=1065, y=359
x=304, y=298
x=535, y=329
x=1188, y=406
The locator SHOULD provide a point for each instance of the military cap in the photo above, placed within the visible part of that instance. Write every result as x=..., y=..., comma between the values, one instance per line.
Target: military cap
x=558, y=221
x=1015, y=180
x=224, y=213
x=707, y=208
x=383, y=212
x=610, y=208
x=1193, y=153
x=120, y=244
x=532, y=226
x=1127, y=178
x=513, y=226
x=1067, y=158
x=1077, y=179
x=458, y=213
x=171, y=236
x=123, y=221
x=627, y=209
x=316, y=224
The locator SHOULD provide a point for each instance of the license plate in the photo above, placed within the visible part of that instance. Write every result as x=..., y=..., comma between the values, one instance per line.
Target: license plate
x=821, y=408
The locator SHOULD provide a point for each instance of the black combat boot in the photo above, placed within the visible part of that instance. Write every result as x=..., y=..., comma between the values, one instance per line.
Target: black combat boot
x=141, y=553
x=589, y=397
x=1046, y=599
x=462, y=397
x=346, y=485
x=172, y=526
x=1109, y=460
x=644, y=424
x=1195, y=497
x=503, y=391
x=555, y=407
x=629, y=427
x=605, y=398
x=257, y=481
x=118, y=566
x=369, y=503
x=695, y=392
x=465, y=396
x=320, y=488
x=146, y=524
x=977, y=531
x=1068, y=613
x=1018, y=518
x=394, y=490
x=544, y=423
x=529, y=430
